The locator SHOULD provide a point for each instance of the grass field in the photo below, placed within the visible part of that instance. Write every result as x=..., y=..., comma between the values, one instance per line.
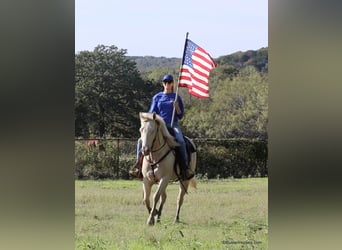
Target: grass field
x=219, y=214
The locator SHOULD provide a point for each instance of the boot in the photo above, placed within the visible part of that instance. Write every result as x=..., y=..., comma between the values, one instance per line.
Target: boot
x=137, y=167
x=186, y=172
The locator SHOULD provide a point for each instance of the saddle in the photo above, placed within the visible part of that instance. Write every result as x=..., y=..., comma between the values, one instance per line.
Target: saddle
x=190, y=147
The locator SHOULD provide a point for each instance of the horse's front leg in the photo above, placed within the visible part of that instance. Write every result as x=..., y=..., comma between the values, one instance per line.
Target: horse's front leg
x=182, y=190
x=162, y=201
x=147, y=192
x=160, y=190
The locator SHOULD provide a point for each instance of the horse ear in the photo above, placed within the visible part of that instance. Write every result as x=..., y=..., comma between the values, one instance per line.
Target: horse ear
x=154, y=115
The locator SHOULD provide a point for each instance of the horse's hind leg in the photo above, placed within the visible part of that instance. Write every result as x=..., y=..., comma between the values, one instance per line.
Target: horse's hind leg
x=182, y=190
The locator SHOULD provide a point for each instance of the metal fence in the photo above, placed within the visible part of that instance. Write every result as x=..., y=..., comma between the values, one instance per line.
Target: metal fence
x=216, y=158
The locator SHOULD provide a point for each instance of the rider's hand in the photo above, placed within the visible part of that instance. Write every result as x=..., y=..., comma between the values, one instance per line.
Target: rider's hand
x=176, y=105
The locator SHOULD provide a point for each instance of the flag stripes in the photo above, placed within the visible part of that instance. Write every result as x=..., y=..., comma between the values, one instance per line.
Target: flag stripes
x=195, y=70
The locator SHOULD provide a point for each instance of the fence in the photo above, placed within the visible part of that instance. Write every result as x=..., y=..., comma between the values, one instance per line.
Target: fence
x=216, y=158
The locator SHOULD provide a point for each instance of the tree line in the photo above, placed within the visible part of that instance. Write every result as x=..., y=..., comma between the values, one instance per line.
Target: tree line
x=256, y=58
x=111, y=90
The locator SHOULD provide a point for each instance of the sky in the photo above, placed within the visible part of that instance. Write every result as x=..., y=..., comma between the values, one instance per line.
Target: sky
x=158, y=28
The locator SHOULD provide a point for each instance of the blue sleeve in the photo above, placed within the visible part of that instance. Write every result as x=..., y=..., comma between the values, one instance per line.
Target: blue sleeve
x=153, y=107
x=180, y=102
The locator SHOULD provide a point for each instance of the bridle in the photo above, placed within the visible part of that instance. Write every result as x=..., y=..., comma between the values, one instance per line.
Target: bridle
x=152, y=162
x=155, y=138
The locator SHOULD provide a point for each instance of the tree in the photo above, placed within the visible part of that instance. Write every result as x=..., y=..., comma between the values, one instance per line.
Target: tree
x=108, y=93
x=237, y=108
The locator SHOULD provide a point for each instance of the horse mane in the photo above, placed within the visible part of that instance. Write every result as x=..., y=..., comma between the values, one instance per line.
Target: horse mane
x=165, y=132
x=171, y=141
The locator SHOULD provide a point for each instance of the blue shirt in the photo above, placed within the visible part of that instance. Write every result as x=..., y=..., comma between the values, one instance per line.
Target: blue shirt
x=162, y=104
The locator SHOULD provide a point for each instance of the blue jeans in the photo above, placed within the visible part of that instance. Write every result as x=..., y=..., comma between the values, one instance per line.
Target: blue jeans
x=139, y=146
x=180, y=140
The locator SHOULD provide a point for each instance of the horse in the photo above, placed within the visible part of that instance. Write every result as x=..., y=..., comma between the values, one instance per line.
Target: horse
x=158, y=149
x=93, y=143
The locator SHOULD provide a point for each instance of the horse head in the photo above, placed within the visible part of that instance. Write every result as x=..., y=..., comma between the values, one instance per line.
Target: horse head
x=152, y=125
x=148, y=131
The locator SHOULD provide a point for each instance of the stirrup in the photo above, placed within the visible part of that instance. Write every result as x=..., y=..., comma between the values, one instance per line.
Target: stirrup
x=136, y=173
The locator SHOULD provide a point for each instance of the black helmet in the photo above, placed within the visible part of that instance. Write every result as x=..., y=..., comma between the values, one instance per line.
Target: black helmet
x=168, y=78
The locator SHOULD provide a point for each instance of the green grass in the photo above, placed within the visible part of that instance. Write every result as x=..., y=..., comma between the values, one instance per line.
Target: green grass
x=219, y=214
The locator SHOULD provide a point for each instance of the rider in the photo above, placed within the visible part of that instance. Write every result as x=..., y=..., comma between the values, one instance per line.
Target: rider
x=163, y=104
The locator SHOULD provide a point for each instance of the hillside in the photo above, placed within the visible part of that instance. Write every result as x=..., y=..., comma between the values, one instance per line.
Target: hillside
x=257, y=58
x=147, y=63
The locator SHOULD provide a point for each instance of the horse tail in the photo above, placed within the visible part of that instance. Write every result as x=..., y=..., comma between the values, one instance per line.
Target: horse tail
x=193, y=183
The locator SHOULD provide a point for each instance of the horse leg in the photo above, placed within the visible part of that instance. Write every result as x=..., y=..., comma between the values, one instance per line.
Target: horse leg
x=162, y=201
x=147, y=192
x=160, y=190
x=180, y=198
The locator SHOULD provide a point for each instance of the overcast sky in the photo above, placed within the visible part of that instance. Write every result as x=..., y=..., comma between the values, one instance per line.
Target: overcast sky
x=158, y=28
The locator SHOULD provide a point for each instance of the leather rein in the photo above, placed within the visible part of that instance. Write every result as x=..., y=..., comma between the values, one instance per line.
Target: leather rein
x=150, y=160
x=155, y=163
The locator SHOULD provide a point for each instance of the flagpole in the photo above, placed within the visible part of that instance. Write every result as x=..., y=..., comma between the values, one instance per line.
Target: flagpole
x=179, y=74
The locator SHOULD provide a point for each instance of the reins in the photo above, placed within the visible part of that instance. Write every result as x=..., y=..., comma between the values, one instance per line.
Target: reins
x=153, y=151
x=155, y=163
x=162, y=158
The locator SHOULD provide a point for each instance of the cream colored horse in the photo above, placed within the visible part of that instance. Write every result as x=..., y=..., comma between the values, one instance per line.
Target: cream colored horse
x=158, y=165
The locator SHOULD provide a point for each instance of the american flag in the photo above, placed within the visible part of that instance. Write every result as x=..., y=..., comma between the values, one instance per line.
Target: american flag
x=195, y=69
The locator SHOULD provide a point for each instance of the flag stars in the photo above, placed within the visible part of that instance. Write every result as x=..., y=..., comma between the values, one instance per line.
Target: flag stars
x=190, y=49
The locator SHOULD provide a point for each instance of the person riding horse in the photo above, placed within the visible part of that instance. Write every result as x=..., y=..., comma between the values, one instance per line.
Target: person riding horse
x=163, y=104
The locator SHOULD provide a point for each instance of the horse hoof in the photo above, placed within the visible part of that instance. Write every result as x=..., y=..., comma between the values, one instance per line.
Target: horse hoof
x=150, y=222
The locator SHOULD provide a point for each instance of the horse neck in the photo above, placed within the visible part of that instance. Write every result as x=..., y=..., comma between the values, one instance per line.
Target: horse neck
x=160, y=144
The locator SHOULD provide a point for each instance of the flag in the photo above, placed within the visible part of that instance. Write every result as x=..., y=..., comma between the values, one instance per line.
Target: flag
x=195, y=69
